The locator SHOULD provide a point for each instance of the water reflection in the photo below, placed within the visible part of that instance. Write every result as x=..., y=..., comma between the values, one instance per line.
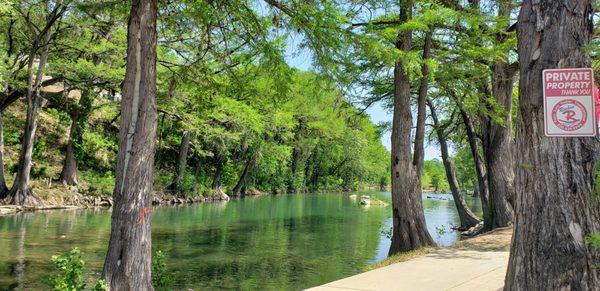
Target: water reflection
x=274, y=242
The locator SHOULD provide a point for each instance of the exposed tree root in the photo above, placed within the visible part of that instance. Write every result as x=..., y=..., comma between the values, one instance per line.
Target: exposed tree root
x=23, y=197
x=219, y=194
x=475, y=230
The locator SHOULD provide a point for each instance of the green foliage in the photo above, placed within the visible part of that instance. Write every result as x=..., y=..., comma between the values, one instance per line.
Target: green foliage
x=594, y=240
x=230, y=88
x=100, y=286
x=70, y=276
x=441, y=230
x=465, y=168
x=70, y=268
x=98, y=151
x=434, y=176
x=160, y=275
x=99, y=184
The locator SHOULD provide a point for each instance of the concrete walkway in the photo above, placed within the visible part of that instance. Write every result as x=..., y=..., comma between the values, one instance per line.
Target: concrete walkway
x=475, y=264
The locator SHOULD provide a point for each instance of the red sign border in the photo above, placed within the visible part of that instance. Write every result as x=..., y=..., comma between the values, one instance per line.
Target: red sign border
x=594, y=119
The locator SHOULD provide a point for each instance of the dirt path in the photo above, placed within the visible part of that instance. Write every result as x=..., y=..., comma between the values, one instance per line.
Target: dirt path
x=475, y=264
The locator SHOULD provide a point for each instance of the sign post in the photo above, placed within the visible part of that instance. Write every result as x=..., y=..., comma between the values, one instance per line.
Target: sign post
x=569, y=107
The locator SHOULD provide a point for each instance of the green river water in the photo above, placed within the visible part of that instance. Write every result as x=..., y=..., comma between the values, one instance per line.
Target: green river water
x=284, y=242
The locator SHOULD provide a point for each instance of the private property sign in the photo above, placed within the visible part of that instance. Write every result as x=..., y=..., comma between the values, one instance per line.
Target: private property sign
x=569, y=108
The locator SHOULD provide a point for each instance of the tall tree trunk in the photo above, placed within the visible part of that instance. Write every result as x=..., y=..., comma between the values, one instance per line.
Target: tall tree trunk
x=409, y=228
x=68, y=175
x=308, y=165
x=556, y=203
x=480, y=169
x=217, y=176
x=316, y=170
x=197, y=177
x=293, y=170
x=498, y=147
x=467, y=218
x=498, y=144
x=419, y=152
x=216, y=185
x=237, y=189
x=292, y=181
x=21, y=193
x=3, y=187
x=128, y=261
x=79, y=119
x=184, y=148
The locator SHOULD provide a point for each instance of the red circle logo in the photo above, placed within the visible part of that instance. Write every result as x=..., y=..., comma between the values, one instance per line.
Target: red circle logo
x=569, y=115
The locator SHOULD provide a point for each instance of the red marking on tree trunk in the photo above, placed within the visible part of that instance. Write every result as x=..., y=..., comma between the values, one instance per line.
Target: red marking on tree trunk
x=142, y=215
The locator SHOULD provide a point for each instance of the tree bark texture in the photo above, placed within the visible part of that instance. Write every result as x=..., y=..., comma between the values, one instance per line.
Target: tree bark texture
x=419, y=152
x=556, y=203
x=480, y=169
x=498, y=143
x=467, y=218
x=68, y=175
x=3, y=187
x=409, y=227
x=128, y=261
x=197, y=177
x=79, y=118
x=237, y=189
x=218, y=193
x=499, y=152
x=21, y=193
x=184, y=148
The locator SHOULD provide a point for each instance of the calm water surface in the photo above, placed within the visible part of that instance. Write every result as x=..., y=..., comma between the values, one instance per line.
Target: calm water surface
x=285, y=242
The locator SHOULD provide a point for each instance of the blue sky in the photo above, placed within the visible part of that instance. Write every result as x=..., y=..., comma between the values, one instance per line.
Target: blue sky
x=302, y=60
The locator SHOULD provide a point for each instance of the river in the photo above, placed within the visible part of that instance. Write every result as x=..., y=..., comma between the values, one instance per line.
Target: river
x=284, y=242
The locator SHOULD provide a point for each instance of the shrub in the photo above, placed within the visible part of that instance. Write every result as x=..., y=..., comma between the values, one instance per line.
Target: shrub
x=160, y=277
x=100, y=286
x=70, y=273
x=99, y=185
x=70, y=267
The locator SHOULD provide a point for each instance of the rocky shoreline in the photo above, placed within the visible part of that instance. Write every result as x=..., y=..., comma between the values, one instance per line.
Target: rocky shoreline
x=76, y=200
x=81, y=201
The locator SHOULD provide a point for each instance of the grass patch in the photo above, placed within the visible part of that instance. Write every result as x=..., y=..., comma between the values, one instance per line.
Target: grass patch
x=402, y=257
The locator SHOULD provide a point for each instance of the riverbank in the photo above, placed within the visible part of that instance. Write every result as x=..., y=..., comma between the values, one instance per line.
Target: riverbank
x=76, y=200
x=58, y=196
x=478, y=263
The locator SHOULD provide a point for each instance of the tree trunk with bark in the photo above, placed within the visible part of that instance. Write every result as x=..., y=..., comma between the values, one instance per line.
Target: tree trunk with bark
x=409, y=227
x=498, y=147
x=498, y=143
x=293, y=170
x=468, y=219
x=128, y=261
x=296, y=152
x=184, y=148
x=419, y=152
x=556, y=203
x=21, y=193
x=3, y=187
x=316, y=170
x=197, y=177
x=218, y=193
x=68, y=175
x=79, y=119
x=482, y=181
x=237, y=189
